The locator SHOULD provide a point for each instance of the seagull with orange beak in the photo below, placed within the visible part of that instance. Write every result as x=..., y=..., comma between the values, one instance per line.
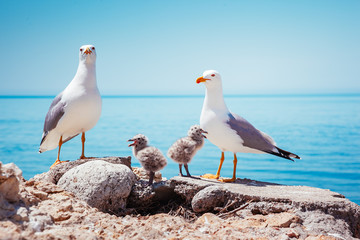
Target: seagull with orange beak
x=229, y=131
x=75, y=110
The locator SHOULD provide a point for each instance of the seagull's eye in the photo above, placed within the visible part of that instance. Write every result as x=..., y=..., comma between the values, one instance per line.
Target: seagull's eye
x=81, y=49
x=213, y=75
x=93, y=48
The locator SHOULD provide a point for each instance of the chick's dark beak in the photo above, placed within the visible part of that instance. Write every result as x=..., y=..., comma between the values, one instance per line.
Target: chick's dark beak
x=203, y=131
x=131, y=144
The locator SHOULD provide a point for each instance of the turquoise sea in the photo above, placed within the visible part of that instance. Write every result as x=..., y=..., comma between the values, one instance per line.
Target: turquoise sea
x=323, y=129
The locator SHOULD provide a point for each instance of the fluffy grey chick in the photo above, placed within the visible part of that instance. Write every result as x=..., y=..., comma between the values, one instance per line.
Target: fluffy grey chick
x=149, y=157
x=184, y=149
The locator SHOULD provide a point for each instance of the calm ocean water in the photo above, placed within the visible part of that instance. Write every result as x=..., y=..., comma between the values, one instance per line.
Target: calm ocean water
x=323, y=130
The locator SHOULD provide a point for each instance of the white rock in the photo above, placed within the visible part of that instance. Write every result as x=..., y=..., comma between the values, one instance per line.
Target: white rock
x=38, y=220
x=22, y=214
x=103, y=185
x=10, y=178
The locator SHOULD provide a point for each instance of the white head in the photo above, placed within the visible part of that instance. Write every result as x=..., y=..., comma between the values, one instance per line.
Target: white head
x=211, y=79
x=87, y=54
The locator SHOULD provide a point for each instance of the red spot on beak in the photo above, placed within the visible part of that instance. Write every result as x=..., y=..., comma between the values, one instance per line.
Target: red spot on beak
x=88, y=51
x=201, y=79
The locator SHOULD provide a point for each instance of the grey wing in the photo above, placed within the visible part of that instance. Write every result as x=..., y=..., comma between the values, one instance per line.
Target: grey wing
x=252, y=137
x=56, y=111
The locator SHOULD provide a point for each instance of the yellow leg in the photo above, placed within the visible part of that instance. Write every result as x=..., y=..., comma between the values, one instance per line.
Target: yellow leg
x=234, y=173
x=57, y=161
x=212, y=176
x=83, y=146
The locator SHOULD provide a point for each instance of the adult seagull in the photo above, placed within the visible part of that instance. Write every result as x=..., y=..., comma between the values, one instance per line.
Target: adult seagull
x=76, y=109
x=229, y=131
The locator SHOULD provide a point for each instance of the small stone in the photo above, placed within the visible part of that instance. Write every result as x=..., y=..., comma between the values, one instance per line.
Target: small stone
x=67, y=206
x=208, y=198
x=9, y=230
x=48, y=187
x=10, y=189
x=60, y=216
x=141, y=173
x=39, y=220
x=320, y=237
x=292, y=234
x=30, y=182
x=39, y=194
x=258, y=221
x=22, y=214
x=209, y=219
x=11, y=169
x=10, y=179
x=282, y=220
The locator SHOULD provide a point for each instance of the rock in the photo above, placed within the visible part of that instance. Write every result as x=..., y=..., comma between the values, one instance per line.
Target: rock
x=10, y=189
x=338, y=215
x=10, y=178
x=39, y=220
x=159, y=226
x=269, y=207
x=292, y=234
x=103, y=185
x=208, y=198
x=188, y=187
x=9, y=230
x=22, y=214
x=143, y=196
x=282, y=220
x=319, y=222
x=9, y=170
x=256, y=221
x=322, y=237
x=10, y=181
x=209, y=219
x=141, y=173
x=55, y=173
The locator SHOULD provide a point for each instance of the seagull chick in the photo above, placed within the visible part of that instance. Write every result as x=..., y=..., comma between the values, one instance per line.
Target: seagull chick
x=150, y=158
x=184, y=149
x=229, y=131
x=75, y=110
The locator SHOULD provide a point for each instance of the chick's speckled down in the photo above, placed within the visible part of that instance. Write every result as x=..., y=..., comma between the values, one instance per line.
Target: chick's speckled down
x=151, y=159
x=184, y=149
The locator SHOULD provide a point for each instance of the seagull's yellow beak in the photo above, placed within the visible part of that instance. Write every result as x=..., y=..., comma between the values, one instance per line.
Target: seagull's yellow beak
x=88, y=51
x=201, y=79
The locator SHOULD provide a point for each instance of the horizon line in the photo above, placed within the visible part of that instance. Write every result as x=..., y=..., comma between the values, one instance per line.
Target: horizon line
x=192, y=95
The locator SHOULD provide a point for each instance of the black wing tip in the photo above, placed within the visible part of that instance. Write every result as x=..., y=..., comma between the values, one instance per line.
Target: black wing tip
x=292, y=155
x=285, y=154
x=45, y=133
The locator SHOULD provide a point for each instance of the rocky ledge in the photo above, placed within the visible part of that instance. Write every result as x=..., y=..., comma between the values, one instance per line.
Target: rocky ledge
x=104, y=198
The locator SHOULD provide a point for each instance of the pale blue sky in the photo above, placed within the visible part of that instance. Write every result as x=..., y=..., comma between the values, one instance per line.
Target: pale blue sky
x=161, y=47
